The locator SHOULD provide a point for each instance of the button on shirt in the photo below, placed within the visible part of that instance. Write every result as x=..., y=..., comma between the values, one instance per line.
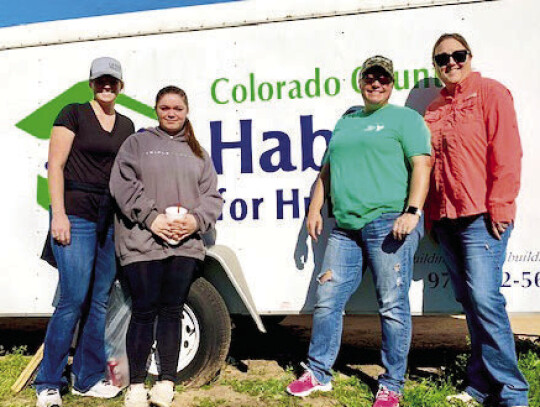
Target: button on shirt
x=476, y=152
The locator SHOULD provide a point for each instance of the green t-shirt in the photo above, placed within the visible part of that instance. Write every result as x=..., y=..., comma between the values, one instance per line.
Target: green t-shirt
x=369, y=162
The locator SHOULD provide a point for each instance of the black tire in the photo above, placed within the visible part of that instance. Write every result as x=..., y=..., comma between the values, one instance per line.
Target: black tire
x=215, y=334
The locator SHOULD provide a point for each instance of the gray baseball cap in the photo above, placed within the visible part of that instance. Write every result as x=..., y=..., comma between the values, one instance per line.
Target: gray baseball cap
x=105, y=66
x=381, y=62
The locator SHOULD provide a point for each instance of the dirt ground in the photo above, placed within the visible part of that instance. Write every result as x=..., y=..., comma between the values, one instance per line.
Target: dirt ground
x=262, y=357
x=256, y=356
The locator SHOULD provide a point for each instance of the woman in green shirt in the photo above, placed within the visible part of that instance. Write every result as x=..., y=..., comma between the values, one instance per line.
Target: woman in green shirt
x=377, y=173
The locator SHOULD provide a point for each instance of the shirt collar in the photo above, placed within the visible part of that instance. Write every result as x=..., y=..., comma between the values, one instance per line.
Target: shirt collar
x=468, y=84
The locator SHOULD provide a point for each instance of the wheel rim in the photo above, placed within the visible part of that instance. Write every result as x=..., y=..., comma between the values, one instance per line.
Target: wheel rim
x=191, y=336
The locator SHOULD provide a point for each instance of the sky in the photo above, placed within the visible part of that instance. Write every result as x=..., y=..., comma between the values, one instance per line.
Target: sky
x=34, y=11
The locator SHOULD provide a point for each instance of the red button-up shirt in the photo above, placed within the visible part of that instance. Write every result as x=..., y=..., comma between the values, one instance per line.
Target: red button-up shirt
x=476, y=152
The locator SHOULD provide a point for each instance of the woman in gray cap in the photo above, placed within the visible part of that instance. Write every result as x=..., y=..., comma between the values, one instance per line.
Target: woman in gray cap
x=84, y=141
x=376, y=171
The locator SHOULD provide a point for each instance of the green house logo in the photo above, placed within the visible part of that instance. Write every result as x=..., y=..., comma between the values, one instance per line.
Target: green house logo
x=40, y=122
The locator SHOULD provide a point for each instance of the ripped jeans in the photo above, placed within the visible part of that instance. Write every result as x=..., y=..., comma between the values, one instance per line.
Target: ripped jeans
x=391, y=262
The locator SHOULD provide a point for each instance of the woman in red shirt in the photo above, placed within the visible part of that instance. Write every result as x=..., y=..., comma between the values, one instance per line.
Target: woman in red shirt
x=471, y=202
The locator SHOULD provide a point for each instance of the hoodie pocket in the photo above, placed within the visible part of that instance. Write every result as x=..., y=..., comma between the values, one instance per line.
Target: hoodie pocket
x=138, y=241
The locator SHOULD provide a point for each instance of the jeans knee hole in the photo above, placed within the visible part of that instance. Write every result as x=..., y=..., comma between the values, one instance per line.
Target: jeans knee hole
x=325, y=277
x=397, y=267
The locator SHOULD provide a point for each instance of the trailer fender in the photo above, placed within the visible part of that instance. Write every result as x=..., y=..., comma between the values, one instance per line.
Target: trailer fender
x=231, y=266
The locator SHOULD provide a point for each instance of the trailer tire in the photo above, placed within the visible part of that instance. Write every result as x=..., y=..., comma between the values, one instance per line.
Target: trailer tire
x=215, y=339
x=207, y=312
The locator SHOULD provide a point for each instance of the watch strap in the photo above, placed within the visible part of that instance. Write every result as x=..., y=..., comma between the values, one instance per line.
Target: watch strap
x=413, y=210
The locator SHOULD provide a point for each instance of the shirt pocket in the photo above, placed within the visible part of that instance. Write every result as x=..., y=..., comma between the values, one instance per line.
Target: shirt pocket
x=432, y=116
x=470, y=129
x=468, y=116
x=447, y=143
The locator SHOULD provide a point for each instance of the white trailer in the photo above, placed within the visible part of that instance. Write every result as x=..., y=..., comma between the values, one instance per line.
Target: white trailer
x=267, y=82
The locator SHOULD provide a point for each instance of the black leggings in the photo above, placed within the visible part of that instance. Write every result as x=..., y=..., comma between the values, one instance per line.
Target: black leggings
x=159, y=289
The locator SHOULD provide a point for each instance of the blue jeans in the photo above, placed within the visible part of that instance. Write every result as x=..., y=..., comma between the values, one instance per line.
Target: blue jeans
x=86, y=272
x=474, y=259
x=391, y=262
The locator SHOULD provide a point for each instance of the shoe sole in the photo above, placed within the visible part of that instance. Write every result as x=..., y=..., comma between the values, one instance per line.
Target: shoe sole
x=38, y=404
x=50, y=405
x=92, y=394
x=160, y=404
x=325, y=388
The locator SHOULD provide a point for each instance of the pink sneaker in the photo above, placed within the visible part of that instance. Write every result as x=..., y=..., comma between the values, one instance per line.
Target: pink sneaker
x=386, y=398
x=307, y=384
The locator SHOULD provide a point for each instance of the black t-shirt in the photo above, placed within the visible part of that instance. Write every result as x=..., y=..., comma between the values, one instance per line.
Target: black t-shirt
x=92, y=155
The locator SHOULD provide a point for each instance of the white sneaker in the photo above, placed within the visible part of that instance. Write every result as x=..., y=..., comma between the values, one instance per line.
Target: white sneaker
x=49, y=398
x=464, y=397
x=136, y=396
x=102, y=390
x=162, y=394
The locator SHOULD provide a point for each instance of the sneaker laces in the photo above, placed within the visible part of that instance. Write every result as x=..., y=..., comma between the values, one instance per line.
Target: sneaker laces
x=308, y=375
x=52, y=392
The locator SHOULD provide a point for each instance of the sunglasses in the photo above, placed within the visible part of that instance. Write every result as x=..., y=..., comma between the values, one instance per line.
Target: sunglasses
x=106, y=80
x=383, y=79
x=444, y=58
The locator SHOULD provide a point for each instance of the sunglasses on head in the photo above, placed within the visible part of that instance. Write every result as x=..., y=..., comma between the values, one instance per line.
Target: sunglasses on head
x=383, y=79
x=458, y=56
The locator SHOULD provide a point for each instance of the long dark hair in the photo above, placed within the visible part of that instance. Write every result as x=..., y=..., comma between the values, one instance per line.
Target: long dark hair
x=189, y=134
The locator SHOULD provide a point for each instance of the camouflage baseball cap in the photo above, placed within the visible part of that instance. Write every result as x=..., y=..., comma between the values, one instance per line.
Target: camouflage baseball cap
x=380, y=61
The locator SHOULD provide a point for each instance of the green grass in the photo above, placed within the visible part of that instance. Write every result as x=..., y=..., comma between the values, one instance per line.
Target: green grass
x=12, y=364
x=271, y=389
x=348, y=391
x=529, y=364
x=427, y=393
x=271, y=392
x=208, y=402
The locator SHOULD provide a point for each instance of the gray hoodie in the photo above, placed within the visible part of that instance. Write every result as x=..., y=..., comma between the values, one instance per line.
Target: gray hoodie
x=153, y=171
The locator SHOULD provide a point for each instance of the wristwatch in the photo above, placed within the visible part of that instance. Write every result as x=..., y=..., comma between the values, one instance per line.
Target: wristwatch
x=413, y=210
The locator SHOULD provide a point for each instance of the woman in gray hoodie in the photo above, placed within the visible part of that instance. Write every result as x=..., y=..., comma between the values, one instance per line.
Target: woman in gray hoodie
x=158, y=168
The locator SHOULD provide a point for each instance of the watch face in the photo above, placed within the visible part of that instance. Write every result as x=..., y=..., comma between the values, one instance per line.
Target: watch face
x=414, y=210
